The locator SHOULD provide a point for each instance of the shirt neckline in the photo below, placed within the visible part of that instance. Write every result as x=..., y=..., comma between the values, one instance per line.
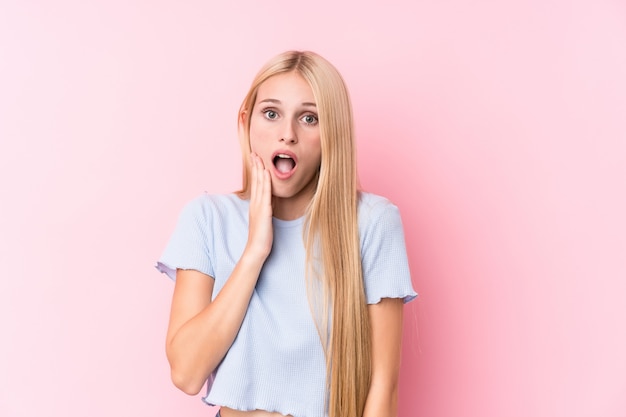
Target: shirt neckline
x=283, y=224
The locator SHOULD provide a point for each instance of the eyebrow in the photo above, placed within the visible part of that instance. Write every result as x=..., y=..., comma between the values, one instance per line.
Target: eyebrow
x=274, y=101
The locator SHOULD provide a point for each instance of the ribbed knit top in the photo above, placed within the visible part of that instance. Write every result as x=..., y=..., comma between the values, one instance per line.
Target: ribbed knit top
x=276, y=362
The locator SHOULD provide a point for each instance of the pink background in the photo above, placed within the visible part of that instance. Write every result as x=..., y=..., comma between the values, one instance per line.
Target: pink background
x=498, y=128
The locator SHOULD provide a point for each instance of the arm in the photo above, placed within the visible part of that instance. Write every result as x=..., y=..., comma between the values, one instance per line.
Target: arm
x=201, y=331
x=386, y=322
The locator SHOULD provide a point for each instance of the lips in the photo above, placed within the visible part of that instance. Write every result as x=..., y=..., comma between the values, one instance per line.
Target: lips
x=285, y=163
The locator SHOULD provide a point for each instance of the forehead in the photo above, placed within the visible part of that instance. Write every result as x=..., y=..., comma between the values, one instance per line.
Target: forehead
x=288, y=87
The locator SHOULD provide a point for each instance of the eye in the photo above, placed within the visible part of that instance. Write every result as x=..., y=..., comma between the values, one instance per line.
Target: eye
x=270, y=114
x=309, y=119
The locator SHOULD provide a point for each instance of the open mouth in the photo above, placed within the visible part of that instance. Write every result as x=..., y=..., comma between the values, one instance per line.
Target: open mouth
x=284, y=163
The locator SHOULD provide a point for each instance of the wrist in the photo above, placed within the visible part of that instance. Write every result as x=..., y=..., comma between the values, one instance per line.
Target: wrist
x=253, y=258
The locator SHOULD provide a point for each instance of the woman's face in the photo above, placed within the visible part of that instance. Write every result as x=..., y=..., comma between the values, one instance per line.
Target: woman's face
x=284, y=132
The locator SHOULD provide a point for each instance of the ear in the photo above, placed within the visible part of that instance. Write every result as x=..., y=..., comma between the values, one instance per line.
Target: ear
x=243, y=119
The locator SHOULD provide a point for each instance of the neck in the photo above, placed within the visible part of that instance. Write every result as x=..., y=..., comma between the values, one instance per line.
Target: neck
x=288, y=208
x=291, y=208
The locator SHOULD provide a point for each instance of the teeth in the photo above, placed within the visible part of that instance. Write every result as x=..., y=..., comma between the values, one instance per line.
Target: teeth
x=282, y=155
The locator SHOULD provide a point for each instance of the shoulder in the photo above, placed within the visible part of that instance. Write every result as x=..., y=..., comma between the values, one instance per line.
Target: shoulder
x=207, y=205
x=378, y=218
x=374, y=208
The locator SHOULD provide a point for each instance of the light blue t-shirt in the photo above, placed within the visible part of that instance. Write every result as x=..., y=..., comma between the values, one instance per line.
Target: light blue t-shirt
x=276, y=362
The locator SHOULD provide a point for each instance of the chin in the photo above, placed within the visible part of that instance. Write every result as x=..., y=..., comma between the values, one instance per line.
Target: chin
x=298, y=190
x=287, y=192
x=283, y=194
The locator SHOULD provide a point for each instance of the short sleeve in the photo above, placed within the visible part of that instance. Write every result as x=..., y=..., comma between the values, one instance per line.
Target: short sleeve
x=188, y=247
x=385, y=264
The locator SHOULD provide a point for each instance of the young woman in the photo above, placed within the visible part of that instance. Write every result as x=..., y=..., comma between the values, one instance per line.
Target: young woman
x=289, y=293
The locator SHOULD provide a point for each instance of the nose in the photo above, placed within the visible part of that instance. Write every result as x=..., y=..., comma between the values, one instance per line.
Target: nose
x=288, y=133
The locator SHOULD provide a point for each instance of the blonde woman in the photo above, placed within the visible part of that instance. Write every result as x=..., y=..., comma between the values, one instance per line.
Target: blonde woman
x=288, y=294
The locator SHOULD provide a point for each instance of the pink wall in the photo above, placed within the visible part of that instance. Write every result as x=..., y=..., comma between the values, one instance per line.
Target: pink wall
x=497, y=127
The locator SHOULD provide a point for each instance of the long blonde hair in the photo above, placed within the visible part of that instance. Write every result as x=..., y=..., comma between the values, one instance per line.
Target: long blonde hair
x=331, y=232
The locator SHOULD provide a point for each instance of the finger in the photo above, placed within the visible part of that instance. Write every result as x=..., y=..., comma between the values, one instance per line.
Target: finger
x=267, y=188
x=252, y=168
x=259, y=161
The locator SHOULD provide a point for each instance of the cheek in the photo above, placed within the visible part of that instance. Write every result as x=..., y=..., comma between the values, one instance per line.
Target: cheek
x=316, y=147
x=315, y=155
x=253, y=142
x=255, y=138
x=260, y=133
x=319, y=160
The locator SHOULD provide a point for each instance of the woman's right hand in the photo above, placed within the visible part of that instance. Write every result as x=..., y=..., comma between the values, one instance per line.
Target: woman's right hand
x=202, y=327
x=260, y=230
